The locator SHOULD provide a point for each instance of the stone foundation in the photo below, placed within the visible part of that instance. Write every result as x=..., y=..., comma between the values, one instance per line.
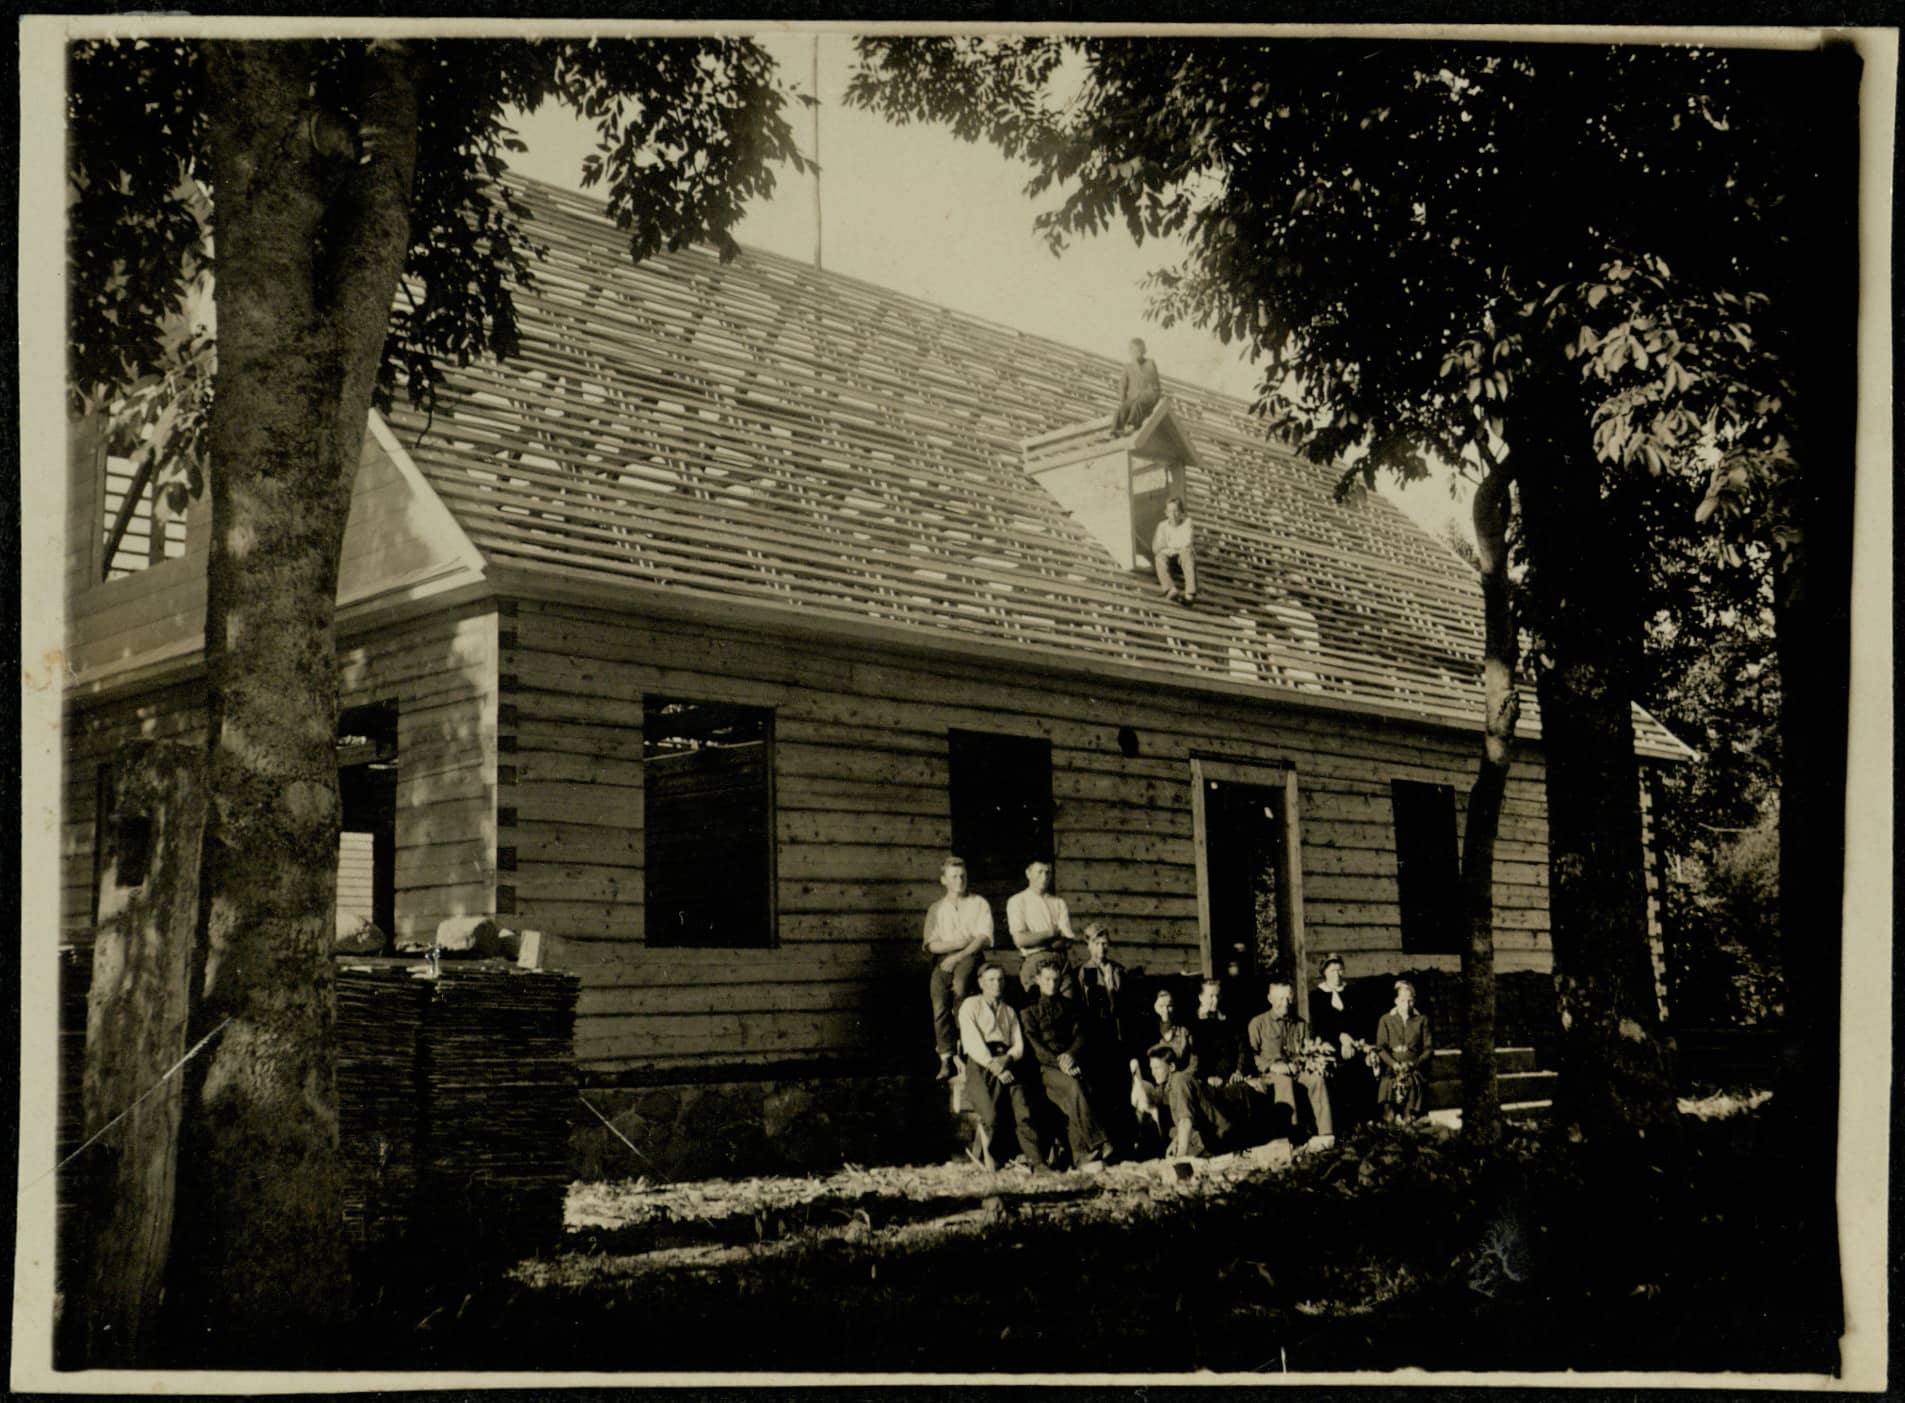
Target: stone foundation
x=794, y=1124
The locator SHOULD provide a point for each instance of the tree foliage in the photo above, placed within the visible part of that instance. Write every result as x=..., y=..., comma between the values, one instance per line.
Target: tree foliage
x=1398, y=232
x=690, y=131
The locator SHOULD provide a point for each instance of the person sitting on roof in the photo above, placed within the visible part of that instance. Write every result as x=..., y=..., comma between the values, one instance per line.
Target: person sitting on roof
x=1172, y=541
x=1139, y=390
x=1041, y=927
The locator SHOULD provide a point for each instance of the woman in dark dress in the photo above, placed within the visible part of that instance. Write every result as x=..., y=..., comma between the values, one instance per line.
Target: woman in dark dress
x=1332, y=1019
x=1404, y=1044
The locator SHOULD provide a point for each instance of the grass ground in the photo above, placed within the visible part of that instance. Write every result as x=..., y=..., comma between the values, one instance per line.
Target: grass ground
x=1395, y=1249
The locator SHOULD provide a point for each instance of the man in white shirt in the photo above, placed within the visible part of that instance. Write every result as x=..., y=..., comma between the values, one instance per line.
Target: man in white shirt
x=1041, y=928
x=1173, y=541
x=958, y=932
x=994, y=1044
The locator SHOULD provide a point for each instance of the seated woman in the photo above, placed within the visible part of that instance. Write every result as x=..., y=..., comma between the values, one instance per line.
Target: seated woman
x=1333, y=1019
x=1404, y=1043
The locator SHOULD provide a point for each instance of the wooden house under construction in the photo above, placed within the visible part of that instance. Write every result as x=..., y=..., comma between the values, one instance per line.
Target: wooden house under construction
x=695, y=635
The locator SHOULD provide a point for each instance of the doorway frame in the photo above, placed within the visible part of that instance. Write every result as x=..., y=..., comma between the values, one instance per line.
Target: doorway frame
x=1265, y=774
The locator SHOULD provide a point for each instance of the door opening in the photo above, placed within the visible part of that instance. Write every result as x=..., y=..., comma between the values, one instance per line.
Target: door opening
x=1249, y=900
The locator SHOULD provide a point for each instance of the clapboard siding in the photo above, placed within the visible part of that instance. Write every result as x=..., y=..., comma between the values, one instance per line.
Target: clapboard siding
x=862, y=817
x=440, y=670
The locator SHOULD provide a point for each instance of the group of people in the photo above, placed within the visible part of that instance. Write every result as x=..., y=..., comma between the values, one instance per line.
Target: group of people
x=1055, y=1071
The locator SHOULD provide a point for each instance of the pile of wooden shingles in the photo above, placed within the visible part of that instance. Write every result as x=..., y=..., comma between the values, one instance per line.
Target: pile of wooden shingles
x=455, y=1095
x=454, y=1100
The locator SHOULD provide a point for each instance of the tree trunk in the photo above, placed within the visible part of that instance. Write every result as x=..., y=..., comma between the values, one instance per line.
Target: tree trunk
x=1584, y=596
x=310, y=246
x=135, y=1035
x=1501, y=649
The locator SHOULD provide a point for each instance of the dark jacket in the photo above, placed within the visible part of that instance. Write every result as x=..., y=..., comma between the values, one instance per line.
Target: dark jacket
x=1219, y=1046
x=1053, y=1026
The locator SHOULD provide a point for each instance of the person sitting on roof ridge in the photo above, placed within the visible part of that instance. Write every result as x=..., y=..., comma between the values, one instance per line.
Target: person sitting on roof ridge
x=1139, y=390
x=1174, y=541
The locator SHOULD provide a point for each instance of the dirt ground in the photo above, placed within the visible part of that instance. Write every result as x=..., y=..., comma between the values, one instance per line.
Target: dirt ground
x=1392, y=1250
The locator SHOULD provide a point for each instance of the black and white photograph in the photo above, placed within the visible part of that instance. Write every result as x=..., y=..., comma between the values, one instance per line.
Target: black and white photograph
x=766, y=702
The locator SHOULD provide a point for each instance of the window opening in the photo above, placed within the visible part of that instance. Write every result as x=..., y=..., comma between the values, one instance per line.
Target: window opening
x=708, y=824
x=1001, y=791
x=367, y=767
x=1428, y=868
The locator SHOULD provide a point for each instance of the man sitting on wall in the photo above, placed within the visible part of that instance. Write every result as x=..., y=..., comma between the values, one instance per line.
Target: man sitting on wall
x=1055, y=1031
x=1041, y=927
x=1276, y=1040
x=958, y=933
x=994, y=1044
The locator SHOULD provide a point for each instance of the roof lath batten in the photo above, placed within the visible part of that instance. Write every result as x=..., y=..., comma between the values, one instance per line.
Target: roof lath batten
x=763, y=431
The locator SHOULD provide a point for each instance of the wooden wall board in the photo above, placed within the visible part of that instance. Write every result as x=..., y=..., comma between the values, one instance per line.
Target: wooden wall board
x=862, y=820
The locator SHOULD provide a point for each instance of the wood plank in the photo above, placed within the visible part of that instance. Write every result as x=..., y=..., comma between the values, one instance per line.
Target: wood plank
x=814, y=793
x=567, y=708
x=595, y=805
x=556, y=842
x=445, y=823
x=537, y=735
x=567, y=631
x=802, y=862
x=803, y=826
x=578, y=768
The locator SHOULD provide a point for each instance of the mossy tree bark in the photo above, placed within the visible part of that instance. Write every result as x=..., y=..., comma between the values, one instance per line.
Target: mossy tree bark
x=312, y=233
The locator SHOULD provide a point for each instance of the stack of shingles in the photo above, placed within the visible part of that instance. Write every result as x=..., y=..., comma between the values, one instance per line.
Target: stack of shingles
x=499, y=1079
x=380, y=1011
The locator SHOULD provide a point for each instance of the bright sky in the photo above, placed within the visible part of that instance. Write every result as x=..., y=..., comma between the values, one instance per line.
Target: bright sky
x=916, y=210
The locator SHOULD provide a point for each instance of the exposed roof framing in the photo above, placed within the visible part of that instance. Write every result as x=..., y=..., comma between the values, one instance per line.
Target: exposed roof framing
x=767, y=432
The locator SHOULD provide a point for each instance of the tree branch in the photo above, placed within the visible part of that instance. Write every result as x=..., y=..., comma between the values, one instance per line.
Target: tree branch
x=371, y=218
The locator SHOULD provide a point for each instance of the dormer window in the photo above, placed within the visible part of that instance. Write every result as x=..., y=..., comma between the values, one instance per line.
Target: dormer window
x=1115, y=487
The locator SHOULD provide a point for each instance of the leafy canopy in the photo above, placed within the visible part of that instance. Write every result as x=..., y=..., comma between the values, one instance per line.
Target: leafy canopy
x=689, y=131
x=1403, y=232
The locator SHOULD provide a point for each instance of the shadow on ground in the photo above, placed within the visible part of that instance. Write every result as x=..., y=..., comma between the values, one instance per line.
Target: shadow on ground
x=1392, y=1250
